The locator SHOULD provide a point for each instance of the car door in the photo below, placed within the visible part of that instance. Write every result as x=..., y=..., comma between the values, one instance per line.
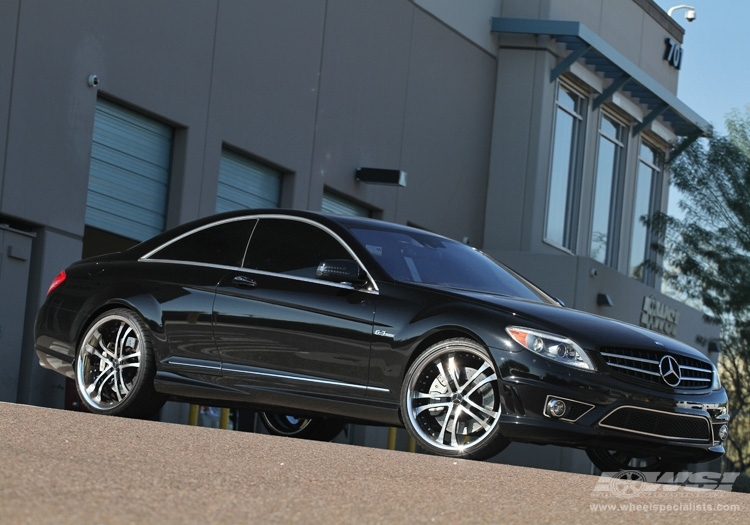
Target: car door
x=282, y=330
x=182, y=275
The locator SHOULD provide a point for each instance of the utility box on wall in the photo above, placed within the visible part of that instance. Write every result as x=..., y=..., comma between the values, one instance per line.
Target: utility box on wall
x=15, y=258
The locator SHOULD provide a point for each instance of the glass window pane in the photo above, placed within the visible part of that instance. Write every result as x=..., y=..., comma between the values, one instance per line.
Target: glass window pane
x=291, y=247
x=649, y=154
x=642, y=207
x=610, y=128
x=557, y=206
x=602, y=200
x=646, y=203
x=429, y=259
x=607, y=192
x=562, y=204
x=568, y=99
x=223, y=244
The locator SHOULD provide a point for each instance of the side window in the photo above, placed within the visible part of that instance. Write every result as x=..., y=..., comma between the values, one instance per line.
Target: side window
x=291, y=247
x=223, y=244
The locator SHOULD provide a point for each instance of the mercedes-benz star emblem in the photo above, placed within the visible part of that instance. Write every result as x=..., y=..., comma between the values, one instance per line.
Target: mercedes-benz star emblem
x=670, y=370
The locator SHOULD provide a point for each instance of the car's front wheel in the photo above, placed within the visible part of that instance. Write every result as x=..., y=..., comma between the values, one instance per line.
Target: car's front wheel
x=608, y=460
x=318, y=429
x=450, y=401
x=114, y=368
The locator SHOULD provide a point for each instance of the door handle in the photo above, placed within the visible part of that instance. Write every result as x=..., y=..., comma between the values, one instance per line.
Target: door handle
x=244, y=282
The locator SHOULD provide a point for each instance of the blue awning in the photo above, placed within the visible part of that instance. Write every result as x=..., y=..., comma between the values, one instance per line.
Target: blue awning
x=605, y=60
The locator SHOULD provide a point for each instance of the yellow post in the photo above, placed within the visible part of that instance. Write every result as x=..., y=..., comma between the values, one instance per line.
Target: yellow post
x=392, y=438
x=224, y=418
x=412, y=444
x=193, y=415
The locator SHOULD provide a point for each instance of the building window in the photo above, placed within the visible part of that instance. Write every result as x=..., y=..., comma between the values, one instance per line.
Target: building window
x=338, y=205
x=646, y=203
x=245, y=184
x=607, y=191
x=564, y=181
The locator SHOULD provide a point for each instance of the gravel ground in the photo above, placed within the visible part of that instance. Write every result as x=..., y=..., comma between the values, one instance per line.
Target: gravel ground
x=63, y=467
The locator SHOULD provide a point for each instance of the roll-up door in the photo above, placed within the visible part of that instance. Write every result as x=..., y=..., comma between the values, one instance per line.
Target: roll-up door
x=245, y=183
x=129, y=174
x=340, y=206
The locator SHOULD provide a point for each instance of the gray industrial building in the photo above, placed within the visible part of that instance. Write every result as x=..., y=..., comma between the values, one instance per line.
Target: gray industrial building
x=533, y=129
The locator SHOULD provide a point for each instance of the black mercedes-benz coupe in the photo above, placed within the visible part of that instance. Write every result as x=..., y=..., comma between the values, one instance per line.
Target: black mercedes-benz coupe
x=316, y=320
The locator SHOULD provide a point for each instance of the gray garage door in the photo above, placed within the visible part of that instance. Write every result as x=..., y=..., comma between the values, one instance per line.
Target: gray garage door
x=129, y=174
x=245, y=183
x=332, y=203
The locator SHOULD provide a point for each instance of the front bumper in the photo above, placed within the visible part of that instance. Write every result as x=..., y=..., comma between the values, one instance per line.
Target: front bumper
x=604, y=411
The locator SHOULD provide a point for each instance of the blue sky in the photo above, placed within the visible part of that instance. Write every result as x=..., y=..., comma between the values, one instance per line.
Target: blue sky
x=715, y=76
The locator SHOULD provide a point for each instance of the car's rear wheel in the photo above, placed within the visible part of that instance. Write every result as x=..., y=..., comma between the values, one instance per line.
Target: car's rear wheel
x=450, y=401
x=318, y=429
x=115, y=366
x=608, y=460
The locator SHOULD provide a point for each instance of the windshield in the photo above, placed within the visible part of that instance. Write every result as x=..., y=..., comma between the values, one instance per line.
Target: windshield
x=421, y=257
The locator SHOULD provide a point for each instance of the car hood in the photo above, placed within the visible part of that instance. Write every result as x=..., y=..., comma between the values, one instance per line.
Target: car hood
x=591, y=331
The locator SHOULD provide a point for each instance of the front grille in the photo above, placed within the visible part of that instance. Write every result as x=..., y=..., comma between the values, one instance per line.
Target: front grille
x=577, y=410
x=659, y=424
x=644, y=365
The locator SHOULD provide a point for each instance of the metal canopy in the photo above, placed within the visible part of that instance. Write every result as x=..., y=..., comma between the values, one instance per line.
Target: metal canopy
x=605, y=60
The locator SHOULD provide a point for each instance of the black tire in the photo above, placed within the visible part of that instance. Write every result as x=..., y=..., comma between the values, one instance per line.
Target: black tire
x=608, y=460
x=317, y=429
x=115, y=368
x=454, y=414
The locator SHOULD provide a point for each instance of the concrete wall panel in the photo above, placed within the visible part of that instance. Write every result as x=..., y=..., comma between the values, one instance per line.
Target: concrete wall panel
x=8, y=27
x=447, y=132
x=142, y=53
x=265, y=88
x=360, y=120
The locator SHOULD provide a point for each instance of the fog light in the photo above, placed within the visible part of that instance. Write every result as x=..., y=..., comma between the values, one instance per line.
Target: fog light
x=723, y=432
x=556, y=408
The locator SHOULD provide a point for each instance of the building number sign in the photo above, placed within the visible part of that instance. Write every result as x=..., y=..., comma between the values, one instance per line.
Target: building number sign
x=673, y=53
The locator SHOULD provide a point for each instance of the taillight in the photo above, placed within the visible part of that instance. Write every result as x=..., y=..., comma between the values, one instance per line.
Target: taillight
x=57, y=281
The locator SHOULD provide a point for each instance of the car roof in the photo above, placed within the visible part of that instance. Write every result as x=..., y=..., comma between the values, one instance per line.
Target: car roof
x=338, y=223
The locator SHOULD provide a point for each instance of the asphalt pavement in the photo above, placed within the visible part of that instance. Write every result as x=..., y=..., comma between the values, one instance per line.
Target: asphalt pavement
x=61, y=467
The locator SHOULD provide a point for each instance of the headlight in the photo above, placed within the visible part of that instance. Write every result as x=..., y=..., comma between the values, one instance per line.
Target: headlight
x=555, y=347
x=716, y=383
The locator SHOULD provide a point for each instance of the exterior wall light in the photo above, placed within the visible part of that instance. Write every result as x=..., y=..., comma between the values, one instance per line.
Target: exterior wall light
x=381, y=176
x=604, y=299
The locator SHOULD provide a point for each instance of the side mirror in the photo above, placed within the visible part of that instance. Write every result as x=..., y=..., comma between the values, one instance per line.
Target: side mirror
x=340, y=271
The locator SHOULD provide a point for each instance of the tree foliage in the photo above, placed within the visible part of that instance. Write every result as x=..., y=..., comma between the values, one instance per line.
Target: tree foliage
x=706, y=256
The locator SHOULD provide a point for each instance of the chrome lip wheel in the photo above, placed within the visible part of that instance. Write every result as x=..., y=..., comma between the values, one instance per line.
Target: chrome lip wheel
x=453, y=400
x=109, y=361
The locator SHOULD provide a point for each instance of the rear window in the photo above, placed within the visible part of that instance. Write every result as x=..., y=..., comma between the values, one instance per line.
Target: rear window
x=223, y=244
